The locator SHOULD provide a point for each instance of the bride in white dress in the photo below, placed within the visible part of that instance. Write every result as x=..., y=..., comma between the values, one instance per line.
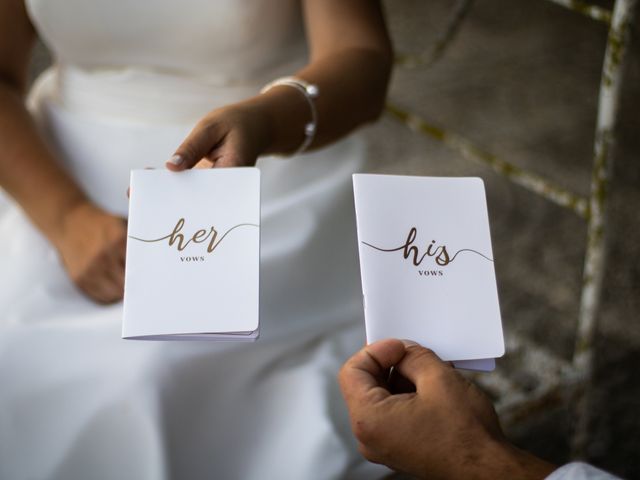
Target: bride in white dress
x=130, y=81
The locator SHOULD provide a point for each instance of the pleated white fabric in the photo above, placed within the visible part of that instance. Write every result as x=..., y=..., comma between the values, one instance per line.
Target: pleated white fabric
x=129, y=81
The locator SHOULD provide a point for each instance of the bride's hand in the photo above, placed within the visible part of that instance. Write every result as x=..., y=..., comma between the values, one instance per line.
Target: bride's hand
x=92, y=246
x=232, y=136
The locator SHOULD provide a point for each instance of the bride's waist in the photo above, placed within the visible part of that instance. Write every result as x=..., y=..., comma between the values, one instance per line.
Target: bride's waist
x=136, y=95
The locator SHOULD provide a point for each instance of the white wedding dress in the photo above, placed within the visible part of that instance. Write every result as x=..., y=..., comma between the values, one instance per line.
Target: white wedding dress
x=129, y=81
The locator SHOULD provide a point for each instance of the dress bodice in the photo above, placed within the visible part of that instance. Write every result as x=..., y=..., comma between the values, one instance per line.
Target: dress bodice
x=223, y=40
x=161, y=61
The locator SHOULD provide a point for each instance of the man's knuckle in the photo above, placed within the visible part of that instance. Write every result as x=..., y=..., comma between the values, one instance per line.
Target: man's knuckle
x=364, y=430
x=421, y=354
x=102, y=299
x=202, y=125
x=368, y=453
x=427, y=352
x=81, y=277
x=101, y=261
x=116, y=243
x=441, y=377
x=342, y=375
x=364, y=450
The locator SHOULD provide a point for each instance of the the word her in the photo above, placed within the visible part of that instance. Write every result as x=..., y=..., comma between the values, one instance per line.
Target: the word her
x=200, y=236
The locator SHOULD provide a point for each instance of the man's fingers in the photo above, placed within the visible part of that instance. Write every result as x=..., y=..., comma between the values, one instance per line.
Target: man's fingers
x=399, y=384
x=362, y=377
x=419, y=363
x=202, y=139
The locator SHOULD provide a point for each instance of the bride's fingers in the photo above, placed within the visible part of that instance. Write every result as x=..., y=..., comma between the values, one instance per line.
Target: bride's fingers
x=101, y=288
x=228, y=159
x=232, y=153
x=202, y=139
x=116, y=278
x=204, y=163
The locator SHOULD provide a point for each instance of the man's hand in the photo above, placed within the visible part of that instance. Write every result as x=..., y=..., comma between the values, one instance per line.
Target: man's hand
x=426, y=419
x=92, y=247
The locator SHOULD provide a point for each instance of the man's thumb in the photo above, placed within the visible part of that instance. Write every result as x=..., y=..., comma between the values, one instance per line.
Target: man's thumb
x=419, y=362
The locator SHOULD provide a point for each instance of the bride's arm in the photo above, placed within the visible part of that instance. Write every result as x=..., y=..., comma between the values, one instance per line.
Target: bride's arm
x=27, y=170
x=350, y=62
x=90, y=241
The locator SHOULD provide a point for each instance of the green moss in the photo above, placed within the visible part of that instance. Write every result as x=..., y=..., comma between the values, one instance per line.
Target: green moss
x=590, y=10
x=435, y=132
x=582, y=345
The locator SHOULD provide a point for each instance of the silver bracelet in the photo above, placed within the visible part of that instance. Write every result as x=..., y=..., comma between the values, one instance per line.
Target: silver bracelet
x=310, y=92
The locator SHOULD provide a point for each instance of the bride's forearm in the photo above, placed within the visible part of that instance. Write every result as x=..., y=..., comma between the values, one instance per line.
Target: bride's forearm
x=352, y=86
x=350, y=61
x=28, y=170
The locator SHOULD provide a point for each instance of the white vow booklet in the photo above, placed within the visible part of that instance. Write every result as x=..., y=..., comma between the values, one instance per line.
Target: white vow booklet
x=193, y=251
x=427, y=265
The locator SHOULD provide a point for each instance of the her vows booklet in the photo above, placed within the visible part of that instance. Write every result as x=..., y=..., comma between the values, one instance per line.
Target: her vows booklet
x=193, y=251
x=427, y=265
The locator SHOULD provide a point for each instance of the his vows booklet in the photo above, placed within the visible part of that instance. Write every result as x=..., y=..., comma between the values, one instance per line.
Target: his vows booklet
x=193, y=252
x=427, y=266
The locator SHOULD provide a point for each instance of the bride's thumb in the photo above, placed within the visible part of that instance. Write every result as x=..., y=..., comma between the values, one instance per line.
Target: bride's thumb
x=196, y=146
